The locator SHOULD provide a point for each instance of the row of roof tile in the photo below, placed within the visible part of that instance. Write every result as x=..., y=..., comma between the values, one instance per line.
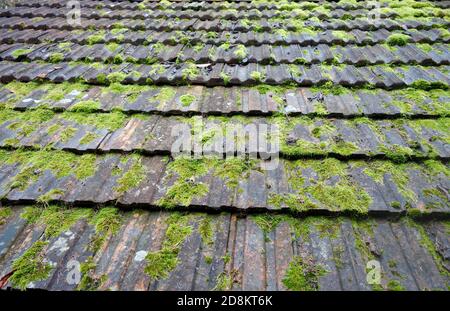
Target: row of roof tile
x=240, y=255
x=262, y=100
x=298, y=137
x=439, y=54
x=223, y=74
x=263, y=25
x=353, y=37
x=324, y=186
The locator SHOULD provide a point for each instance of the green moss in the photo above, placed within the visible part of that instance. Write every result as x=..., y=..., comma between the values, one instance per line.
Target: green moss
x=112, y=47
x=57, y=92
x=162, y=262
x=225, y=77
x=60, y=163
x=240, y=52
x=303, y=275
x=27, y=122
x=427, y=85
x=429, y=245
x=362, y=229
x=257, y=76
x=187, y=99
x=232, y=170
x=397, y=153
x=342, y=195
x=164, y=96
x=435, y=168
x=5, y=213
x=343, y=35
x=101, y=78
x=96, y=38
x=89, y=282
x=224, y=282
x=106, y=222
x=186, y=187
x=67, y=133
x=117, y=59
x=85, y=106
x=50, y=195
x=21, y=52
x=116, y=77
x=56, y=219
x=21, y=89
x=267, y=223
x=398, y=39
x=190, y=71
x=110, y=121
x=88, y=138
x=206, y=230
x=56, y=57
x=394, y=285
x=132, y=177
x=331, y=88
x=30, y=267
x=398, y=173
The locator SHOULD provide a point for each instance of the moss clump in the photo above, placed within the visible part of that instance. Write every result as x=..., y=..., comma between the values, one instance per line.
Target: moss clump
x=267, y=223
x=50, y=195
x=186, y=188
x=398, y=173
x=88, y=138
x=110, y=121
x=20, y=52
x=27, y=122
x=164, y=96
x=225, y=280
x=225, y=77
x=57, y=92
x=112, y=47
x=427, y=85
x=233, y=170
x=21, y=89
x=394, y=285
x=5, y=212
x=30, y=267
x=132, y=177
x=190, y=71
x=67, y=133
x=187, y=99
x=343, y=35
x=56, y=57
x=88, y=281
x=429, y=245
x=96, y=38
x=87, y=106
x=240, y=52
x=56, y=219
x=257, y=76
x=206, y=231
x=341, y=195
x=162, y=262
x=330, y=88
x=106, y=222
x=397, y=153
x=116, y=77
x=398, y=39
x=60, y=163
x=303, y=275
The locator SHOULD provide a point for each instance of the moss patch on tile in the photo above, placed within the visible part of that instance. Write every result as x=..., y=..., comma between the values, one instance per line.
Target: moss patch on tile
x=162, y=262
x=303, y=275
x=30, y=267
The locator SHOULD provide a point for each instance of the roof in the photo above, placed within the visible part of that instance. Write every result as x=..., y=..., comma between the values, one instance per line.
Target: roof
x=90, y=180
